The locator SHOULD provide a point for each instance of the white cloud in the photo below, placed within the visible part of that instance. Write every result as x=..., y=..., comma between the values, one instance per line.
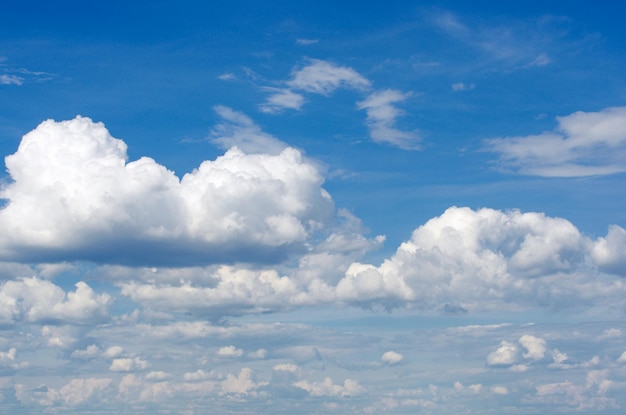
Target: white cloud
x=75, y=197
x=316, y=77
x=609, y=253
x=237, y=130
x=282, y=99
x=392, y=358
x=322, y=77
x=328, y=388
x=622, y=358
x=460, y=86
x=504, y=355
x=381, y=119
x=158, y=376
x=11, y=80
x=484, y=259
x=307, y=42
x=113, y=352
x=128, y=365
x=90, y=352
x=242, y=384
x=285, y=367
x=500, y=390
x=41, y=301
x=535, y=347
x=229, y=352
x=584, y=144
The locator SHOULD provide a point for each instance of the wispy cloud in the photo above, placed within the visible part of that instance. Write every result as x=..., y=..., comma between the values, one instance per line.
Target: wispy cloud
x=381, y=119
x=322, y=77
x=583, y=144
x=316, y=77
x=11, y=80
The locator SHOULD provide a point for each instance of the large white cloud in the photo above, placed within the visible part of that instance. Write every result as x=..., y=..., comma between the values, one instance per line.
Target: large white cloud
x=40, y=301
x=74, y=196
x=467, y=259
x=584, y=144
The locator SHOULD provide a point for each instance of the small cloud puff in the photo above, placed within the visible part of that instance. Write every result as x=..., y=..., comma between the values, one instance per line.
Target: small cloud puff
x=391, y=358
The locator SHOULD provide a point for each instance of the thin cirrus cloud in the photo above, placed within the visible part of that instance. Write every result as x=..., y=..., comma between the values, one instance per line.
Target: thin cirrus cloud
x=74, y=196
x=583, y=144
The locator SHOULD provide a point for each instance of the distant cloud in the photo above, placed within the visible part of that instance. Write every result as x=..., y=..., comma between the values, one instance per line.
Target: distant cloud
x=584, y=144
x=41, y=301
x=229, y=352
x=328, y=388
x=227, y=76
x=306, y=42
x=316, y=77
x=510, y=45
x=322, y=77
x=391, y=358
x=11, y=80
x=236, y=129
x=381, y=118
x=460, y=86
x=282, y=99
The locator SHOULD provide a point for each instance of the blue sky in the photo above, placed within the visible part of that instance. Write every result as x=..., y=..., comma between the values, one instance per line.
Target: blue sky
x=303, y=208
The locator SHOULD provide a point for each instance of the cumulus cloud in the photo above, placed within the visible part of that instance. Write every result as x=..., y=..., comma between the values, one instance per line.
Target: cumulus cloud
x=381, y=119
x=128, y=365
x=328, y=388
x=242, y=384
x=392, y=358
x=74, y=196
x=584, y=144
x=504, y=355
x=483, y=259
x=609, y=253
x=40, y=301
x=229, y=352
x=535, y=347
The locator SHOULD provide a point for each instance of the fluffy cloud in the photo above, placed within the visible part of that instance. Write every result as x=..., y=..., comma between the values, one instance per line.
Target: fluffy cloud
x=381, y=118
x=484, y=259
x=40, y=301
x=229, y=351
x=535, y=347
x=328, y=388
x=504, y=355
x=584, y=144
x=74, y=197
x=610, y=252
x=392, y=358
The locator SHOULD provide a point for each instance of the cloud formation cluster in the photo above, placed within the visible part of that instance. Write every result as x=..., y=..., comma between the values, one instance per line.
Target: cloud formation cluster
x=74, y=196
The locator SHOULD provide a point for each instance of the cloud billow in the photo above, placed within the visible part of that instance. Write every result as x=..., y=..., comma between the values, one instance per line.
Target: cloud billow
x=74, y=196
